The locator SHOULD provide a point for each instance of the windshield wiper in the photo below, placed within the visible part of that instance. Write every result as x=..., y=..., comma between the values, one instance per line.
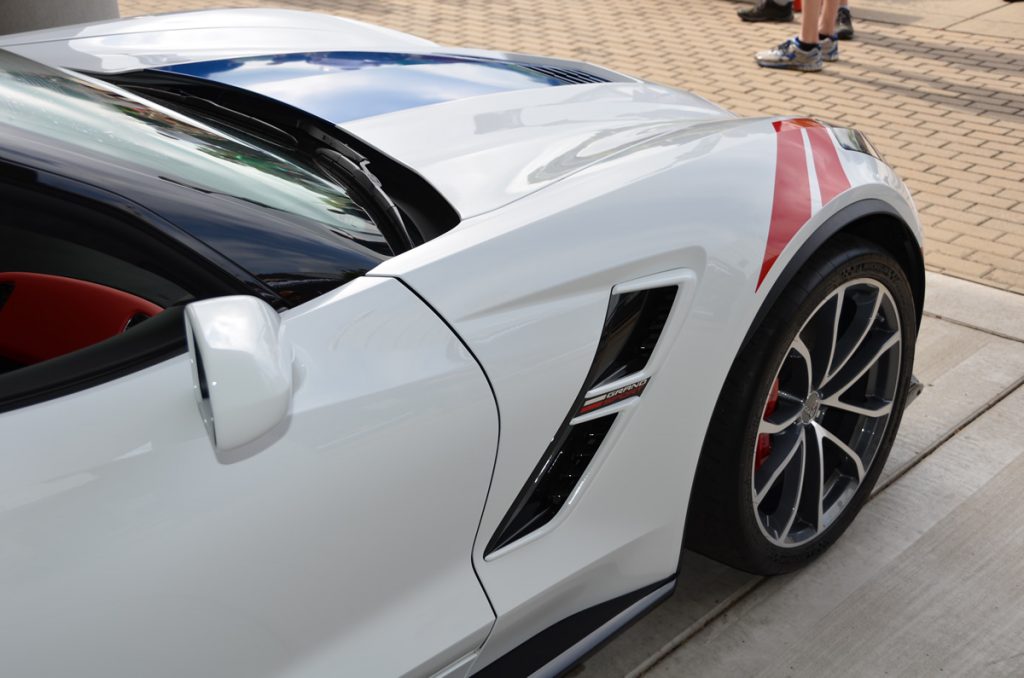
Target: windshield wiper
x=343, y=164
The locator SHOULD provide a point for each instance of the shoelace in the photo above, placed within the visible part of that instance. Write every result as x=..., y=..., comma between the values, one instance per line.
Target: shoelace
x=783, y=48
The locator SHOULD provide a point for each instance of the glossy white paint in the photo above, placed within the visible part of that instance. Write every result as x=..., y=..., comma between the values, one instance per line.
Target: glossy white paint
x=657, y=206
x=366, y=498
x=241, y=367
x=166, y=39
x=484, y=152
x=129, y=546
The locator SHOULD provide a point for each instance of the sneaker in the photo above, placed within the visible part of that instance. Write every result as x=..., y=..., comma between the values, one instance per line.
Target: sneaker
x=767, y=10
x=789, y=55
x=829, y=48
x=844, y=24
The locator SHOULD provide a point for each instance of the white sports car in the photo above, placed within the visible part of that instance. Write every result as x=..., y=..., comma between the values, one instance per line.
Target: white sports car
x=327, y=350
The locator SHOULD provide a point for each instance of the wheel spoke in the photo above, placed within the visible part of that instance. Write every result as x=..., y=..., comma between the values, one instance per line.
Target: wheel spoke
x=813, y=487
x=772, y=426
x=790, y=501
x=859, y=330
x=877, y=345
x=875, y=407
x=799, y=489
x=824, y=434
x=775, y=465
x=801, y=350
x=787, y=409
x=836, y=315
x=819, y=335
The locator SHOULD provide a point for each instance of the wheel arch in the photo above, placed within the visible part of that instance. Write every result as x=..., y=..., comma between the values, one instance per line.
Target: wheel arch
x=873, y=220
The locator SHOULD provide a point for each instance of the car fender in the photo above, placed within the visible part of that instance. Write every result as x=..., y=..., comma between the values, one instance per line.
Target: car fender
x=527, y=287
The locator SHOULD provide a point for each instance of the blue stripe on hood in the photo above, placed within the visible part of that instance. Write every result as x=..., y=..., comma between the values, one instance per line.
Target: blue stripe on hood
x=342, y=86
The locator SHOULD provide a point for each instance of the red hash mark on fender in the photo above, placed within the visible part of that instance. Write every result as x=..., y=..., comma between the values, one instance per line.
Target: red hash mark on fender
x=791, y=204
x=831, y=178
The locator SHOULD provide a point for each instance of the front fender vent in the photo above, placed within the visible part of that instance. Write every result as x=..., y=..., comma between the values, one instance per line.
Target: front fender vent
x=548, y=491
x=633, y=324
x=632, y=327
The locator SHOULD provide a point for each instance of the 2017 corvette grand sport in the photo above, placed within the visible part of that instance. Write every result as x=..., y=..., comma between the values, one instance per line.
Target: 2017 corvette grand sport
x=329, y=351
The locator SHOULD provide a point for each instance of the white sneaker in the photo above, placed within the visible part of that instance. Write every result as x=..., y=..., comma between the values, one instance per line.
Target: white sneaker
x=790, y=56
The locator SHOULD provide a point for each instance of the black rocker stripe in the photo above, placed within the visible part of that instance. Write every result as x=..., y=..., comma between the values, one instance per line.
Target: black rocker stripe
x=542, y=649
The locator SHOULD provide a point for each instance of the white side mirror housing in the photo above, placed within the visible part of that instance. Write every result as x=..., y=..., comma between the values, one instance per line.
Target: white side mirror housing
x=241, y=367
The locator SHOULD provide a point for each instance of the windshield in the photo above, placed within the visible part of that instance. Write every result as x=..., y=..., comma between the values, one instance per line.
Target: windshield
x=106, y=121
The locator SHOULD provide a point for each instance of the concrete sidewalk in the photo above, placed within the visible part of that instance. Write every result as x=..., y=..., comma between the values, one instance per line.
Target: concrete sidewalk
x=945, y=106
x=981, y=17
x=930, y=577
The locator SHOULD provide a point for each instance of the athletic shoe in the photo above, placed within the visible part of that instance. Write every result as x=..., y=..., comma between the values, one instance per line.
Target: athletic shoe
x=844, y=24
x=767, y=10
x=788, y=55
x=829, y=48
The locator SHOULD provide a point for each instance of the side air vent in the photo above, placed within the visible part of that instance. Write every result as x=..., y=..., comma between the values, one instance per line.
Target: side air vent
x=567, y=459
x=569, y=76
x=633, y=324
x=632, y=328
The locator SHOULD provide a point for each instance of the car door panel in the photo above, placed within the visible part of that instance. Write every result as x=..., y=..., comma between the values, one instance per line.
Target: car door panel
x=129, y=546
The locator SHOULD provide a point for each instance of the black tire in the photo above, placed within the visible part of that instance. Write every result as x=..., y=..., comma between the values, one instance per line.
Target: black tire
x=724, y=519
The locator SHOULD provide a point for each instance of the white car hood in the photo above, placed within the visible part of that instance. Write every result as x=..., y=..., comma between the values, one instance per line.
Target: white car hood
x=167, y=39
x=484, y=152
x=484, y=130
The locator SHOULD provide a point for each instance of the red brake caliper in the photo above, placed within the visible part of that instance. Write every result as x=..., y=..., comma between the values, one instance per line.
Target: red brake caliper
x=764, y=441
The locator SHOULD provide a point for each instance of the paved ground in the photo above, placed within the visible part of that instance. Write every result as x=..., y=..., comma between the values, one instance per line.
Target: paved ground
x=945, y=106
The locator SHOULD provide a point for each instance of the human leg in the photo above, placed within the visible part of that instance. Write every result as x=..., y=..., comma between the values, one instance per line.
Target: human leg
x=826, y=24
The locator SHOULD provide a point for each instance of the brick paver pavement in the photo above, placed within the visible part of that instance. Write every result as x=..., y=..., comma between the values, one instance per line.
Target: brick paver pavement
x=945, y=108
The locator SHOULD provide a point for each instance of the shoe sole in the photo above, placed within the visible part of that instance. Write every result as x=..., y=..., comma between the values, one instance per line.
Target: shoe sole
x=845, y=36
x=804, y=68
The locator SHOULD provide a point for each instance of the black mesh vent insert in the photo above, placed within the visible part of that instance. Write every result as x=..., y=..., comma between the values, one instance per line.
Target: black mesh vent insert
x=569, y=76
x=552, y=482
x=632, y=328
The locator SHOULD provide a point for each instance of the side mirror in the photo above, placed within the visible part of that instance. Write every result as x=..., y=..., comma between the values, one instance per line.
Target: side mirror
x=241, y=367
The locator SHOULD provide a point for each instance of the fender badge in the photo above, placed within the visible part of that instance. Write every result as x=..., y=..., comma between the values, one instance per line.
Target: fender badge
x=613, y=396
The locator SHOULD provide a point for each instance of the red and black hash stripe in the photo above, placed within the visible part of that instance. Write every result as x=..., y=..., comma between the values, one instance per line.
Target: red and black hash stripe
x=791, y=204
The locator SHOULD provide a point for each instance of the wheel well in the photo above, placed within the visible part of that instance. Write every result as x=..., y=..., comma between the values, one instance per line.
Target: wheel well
x=872, y=220
x=894, y=235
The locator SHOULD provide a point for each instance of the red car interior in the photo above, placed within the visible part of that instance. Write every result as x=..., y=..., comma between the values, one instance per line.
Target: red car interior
x=45, y=316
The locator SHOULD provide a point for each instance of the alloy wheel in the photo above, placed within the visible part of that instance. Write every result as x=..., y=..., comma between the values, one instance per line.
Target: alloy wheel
x=826, y=413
